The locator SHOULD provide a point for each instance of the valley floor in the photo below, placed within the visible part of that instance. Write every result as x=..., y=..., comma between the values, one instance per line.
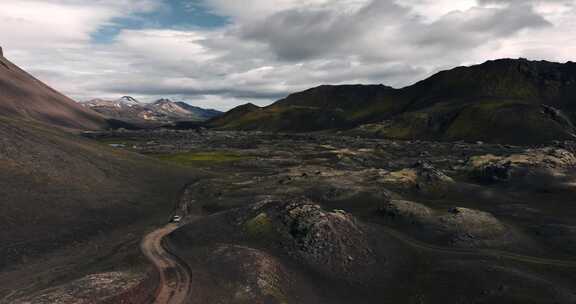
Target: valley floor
x=322, y=218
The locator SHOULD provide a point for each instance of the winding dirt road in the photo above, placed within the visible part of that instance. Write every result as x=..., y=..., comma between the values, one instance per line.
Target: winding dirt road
x=175, y=277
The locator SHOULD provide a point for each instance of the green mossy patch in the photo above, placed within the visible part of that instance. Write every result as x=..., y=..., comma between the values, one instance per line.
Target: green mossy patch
x=197, y=158
x=260, y=227
x=119, y=141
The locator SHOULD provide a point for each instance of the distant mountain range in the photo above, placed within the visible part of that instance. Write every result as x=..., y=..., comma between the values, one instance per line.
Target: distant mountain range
x=502, y=101
x=162, y=111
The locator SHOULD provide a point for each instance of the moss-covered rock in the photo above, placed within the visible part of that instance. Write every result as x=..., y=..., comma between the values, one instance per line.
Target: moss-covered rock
x=260, y=227
x=422, y=177
x=546, y=163
x=461, y=227
x=406, y=210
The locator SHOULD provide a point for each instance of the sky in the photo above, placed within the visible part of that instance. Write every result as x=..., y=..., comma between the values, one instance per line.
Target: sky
x=223, y=53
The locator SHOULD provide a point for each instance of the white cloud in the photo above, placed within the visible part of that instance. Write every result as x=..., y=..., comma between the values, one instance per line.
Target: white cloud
x=272, y=48
x=60, y=23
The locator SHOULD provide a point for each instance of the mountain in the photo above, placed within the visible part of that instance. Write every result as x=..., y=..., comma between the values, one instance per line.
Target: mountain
x=236, y=117
x=125, y=108
x=128, y=100
x=503, y=101
x=324, y=107
x=203, y=114
x=70, y=206
x=162, y=111
x=23, y=96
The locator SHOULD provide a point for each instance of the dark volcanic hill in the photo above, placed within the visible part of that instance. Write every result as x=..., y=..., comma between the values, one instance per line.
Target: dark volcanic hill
x=507, y=100
x=324, y=107
x=162, y=111
x=235, y=115
x=23, y=96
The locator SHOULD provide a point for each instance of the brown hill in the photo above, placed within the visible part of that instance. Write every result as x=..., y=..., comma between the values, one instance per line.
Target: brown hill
x=70, y=206
x=24, y=96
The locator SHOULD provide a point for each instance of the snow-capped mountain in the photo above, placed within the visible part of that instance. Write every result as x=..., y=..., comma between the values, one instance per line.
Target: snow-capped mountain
x=161, y=111
x=168, y=107
x=125, y=101
x=129, y=100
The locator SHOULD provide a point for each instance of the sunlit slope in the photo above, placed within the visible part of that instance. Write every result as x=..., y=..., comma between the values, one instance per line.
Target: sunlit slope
x=23, y=96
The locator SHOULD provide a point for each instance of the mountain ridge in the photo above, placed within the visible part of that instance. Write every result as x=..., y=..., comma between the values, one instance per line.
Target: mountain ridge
x=161, y=111
x=496, y=101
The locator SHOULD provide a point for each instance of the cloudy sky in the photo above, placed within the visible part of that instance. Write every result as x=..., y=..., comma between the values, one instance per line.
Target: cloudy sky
x=221, y=53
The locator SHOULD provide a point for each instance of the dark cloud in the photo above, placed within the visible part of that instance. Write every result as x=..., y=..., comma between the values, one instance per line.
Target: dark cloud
x=301, y=34
x=476, y=26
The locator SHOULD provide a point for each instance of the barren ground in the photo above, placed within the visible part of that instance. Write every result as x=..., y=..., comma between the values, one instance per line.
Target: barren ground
x=316, y=218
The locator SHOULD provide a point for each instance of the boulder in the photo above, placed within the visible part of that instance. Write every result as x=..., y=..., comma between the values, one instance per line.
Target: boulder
x=332, y=243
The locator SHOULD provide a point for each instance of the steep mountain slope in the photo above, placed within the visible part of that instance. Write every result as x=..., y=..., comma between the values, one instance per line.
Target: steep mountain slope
x=70, y=206
x=507, y=100
x=24, y=96
x=162, y=111
x=532, y=81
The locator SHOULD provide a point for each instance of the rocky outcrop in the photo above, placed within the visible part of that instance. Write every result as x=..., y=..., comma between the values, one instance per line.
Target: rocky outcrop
x=470, y=227
x=545, y=163
x=333, y=243
x=406, y=211
x=422, y=177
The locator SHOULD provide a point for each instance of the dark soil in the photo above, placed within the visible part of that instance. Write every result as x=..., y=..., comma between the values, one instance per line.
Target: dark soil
x=318, y=218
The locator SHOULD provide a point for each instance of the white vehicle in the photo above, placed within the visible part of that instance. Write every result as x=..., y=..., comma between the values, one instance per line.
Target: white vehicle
x=176, y=219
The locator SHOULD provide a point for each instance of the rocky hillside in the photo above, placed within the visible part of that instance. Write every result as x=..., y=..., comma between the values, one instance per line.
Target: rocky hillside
x=161, y=111
x=23, y=96
x=506, y=101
